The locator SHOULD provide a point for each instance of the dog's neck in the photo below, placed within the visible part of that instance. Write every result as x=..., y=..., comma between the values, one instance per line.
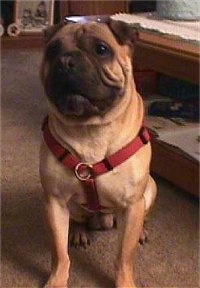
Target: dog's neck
x=101, y=135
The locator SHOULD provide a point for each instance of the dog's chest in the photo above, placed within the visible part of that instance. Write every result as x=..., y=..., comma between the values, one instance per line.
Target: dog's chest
x=115, y=188
x=91, y=144
x=90, y=150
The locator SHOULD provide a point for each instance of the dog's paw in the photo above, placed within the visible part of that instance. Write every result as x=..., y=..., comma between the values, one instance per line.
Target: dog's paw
x=78, y=236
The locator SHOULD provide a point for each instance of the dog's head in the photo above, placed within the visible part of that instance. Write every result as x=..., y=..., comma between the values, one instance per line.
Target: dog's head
x=86, y=66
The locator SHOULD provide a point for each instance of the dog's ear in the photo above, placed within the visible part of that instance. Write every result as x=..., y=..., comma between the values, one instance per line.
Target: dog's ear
x=50, y=31
x=124, y=33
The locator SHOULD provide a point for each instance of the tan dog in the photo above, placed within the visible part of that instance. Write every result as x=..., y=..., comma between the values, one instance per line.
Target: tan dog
x=94, y=112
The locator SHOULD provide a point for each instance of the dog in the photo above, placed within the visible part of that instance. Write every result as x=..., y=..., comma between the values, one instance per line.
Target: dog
x=96, y=153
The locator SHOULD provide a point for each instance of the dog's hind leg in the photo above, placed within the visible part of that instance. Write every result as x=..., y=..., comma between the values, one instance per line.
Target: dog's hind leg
x=78, y=234
x=79, y=230
x=150, y=194
x=57, y=216
x=102, y=221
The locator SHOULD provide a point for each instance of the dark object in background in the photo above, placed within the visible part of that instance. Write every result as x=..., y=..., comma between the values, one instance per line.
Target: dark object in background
x=7, y=12
x=187, y=109
x=176, y=88
x=142, y=6
x=146, y=81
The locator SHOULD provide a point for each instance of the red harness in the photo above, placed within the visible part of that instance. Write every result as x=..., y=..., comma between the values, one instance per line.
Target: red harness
x=86, y=173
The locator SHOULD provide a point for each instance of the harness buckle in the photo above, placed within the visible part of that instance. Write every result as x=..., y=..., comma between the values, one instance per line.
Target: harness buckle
x=83, y=171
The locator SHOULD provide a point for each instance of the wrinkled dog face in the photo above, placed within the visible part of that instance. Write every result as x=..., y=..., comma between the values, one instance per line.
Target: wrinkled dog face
x=83, y=69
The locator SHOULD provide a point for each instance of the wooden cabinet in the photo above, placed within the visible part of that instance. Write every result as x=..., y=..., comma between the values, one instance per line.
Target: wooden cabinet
x=94, y=7
x=172, y=164
x=178, y=59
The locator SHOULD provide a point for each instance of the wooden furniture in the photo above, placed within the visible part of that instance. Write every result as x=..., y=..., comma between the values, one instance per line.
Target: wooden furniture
x=95, y=7
x=170, y=56
x=63, y=9
x=172, y=164
x=22, y=42
x=181, y=60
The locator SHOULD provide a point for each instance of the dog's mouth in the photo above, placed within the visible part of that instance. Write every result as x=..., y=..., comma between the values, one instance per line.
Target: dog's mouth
x=95, y=100
x=76, y=105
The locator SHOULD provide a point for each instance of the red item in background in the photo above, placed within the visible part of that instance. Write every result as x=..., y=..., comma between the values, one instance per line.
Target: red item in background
x=146, y=82
x=2, y=22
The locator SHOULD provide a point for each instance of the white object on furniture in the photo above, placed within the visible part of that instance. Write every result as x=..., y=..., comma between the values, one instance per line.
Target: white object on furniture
x=179, y=9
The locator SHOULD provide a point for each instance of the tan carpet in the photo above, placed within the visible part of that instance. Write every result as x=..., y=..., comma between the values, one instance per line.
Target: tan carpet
x=170, y=259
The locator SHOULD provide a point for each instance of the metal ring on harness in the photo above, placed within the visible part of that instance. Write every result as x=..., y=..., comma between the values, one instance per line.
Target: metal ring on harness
x=83, y=171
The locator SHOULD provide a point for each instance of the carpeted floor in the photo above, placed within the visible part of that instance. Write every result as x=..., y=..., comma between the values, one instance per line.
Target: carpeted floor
x=169, y=259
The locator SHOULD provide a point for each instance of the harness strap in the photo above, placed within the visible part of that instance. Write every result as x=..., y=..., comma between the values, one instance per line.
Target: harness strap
x=86, y=173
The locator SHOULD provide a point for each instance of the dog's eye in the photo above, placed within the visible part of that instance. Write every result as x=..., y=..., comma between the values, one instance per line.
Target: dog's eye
x=102, y=49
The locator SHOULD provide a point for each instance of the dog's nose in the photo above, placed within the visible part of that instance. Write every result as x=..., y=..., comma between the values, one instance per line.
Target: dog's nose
x=70, y=62
x=66, y=63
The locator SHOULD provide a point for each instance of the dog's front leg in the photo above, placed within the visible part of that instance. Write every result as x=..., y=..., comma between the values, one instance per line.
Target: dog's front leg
x=57, y=216
x=130, y=224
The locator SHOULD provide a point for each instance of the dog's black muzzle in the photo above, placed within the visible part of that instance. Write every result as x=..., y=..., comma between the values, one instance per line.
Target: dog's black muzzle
x=76, y=74
x=75, y=86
